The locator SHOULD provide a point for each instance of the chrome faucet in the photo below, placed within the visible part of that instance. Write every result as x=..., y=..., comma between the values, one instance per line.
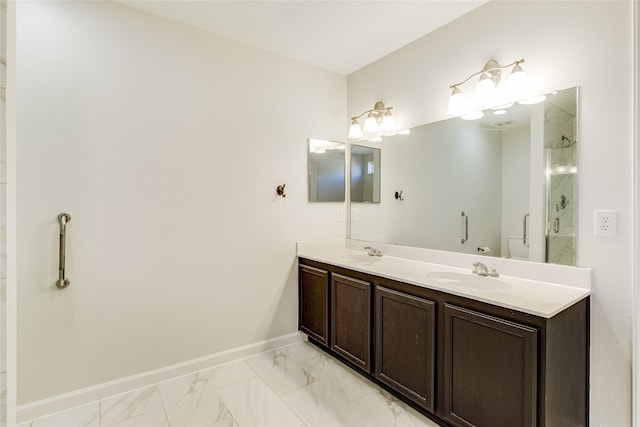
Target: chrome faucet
x=371, y=251
x=482, y=270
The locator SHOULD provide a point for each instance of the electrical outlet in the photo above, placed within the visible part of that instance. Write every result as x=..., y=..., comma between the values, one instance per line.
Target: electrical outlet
x=339, y=215
x=354, y=216
x=606, y=223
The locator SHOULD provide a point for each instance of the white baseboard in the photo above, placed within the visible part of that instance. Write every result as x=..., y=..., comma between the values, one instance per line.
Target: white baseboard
x=96, y=392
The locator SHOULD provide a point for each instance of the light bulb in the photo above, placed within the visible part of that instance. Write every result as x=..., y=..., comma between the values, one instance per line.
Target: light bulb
x=370, y=124
x=456, y=102
x=388, y=123
x=517, y=80
x=354, y=130
x=486, y=88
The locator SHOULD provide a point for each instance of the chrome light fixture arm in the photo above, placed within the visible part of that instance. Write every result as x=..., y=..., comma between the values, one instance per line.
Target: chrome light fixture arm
x=378, y=109
x=488, y=69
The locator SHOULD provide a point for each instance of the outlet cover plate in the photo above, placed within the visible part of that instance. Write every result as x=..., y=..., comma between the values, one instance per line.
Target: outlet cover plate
x=605, y=223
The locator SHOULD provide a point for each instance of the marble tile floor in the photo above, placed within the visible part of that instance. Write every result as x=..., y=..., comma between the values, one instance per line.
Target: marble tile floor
x=296, y=385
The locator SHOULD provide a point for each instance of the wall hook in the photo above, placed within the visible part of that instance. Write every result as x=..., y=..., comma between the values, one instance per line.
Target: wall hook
x=399, y=196
x=280, y=190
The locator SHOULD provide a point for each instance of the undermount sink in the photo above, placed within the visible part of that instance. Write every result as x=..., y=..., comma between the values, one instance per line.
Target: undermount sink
x=468, y=280
x=363, y=258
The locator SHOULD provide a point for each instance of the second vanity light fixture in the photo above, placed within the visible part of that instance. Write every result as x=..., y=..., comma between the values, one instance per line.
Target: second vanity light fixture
x=489, y=92
x=379, y=120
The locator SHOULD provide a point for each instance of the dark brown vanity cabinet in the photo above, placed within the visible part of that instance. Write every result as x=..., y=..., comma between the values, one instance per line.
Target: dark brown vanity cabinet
x=405, y=344
x=490, y=370
x=459, y=361
x=351, y=320
x=313, y=303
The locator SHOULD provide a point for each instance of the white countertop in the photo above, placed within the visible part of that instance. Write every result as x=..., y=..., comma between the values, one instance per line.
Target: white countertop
x=540, y=298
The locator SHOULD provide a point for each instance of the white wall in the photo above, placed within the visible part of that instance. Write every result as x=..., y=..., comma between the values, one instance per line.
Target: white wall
x=165, y=144
x=565, y=44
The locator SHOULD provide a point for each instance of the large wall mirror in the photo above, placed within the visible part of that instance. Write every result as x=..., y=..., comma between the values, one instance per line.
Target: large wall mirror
x=326, y=171
x=503, y=185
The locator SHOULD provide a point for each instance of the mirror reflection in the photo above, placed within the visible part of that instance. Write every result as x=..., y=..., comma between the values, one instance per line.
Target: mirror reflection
x=503, y=185
x=326, y=171
x=365, y=174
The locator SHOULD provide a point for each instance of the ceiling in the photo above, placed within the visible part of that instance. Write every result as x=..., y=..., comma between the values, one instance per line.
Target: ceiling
x=341, y=36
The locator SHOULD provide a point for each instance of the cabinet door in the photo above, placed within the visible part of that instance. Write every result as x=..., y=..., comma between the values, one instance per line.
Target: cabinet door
x=351, y=320
x=490, y=370
x=313, y=303
x=405, y=344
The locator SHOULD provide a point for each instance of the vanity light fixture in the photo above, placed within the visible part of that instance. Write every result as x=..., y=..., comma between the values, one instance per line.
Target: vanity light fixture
x=379, y=119
x=488, y=90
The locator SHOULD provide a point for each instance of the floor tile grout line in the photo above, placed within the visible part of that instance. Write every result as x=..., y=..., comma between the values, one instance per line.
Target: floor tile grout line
x=166, y=415
x=274, y=390
x=146, y=412
x=262, y=379
x=279, y=396
x=291, y=408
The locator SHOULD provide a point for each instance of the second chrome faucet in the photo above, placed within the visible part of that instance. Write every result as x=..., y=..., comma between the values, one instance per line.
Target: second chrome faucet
x=372, y=251
x=482, y=270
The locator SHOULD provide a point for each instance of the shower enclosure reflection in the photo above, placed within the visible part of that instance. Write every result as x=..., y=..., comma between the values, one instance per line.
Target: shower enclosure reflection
x=514, y=176
x=561, y=186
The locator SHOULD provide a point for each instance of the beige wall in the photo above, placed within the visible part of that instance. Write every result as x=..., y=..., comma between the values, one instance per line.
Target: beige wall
x=574, y=43
x=165, y=144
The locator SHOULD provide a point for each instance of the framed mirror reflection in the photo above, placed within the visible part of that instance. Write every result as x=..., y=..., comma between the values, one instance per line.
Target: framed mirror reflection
x=326, y=171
